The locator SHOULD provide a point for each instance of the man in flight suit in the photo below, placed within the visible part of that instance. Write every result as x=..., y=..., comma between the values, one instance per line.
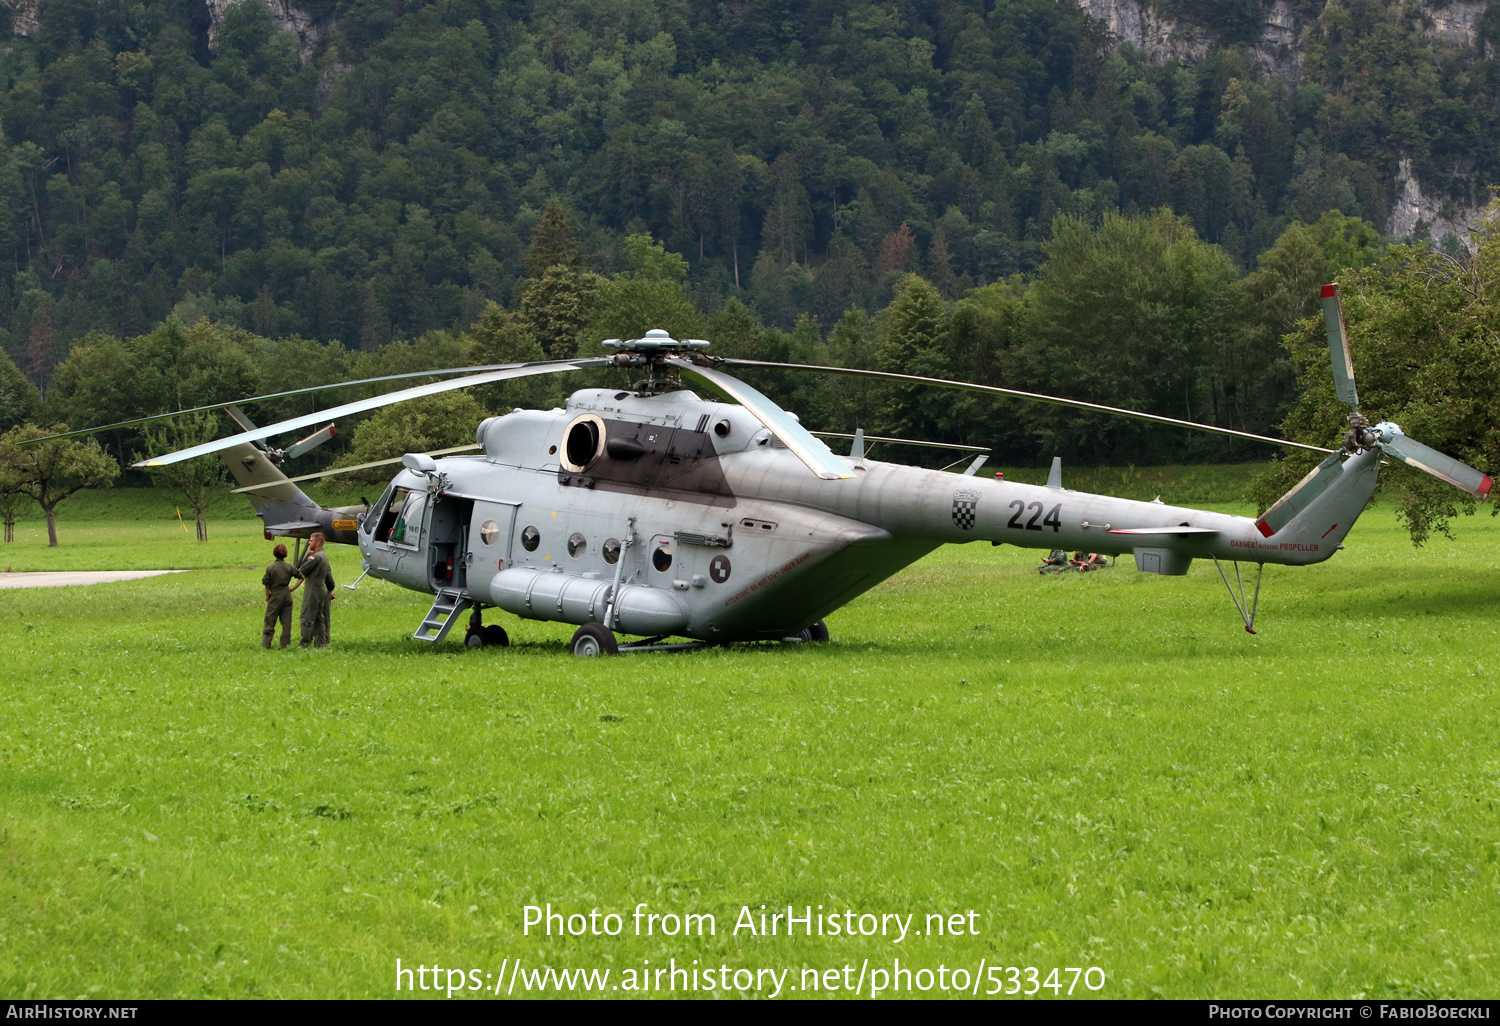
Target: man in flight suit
x=278, y=599
x=318, y=577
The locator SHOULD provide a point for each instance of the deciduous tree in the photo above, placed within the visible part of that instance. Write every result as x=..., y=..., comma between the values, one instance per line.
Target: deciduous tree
x=199, y=480
x=50, y=472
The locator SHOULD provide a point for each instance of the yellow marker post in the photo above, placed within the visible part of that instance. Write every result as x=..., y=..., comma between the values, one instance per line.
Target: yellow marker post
x=181, y=521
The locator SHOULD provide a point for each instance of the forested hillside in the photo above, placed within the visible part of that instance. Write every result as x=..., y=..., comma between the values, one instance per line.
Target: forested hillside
x=1082, y=219
x=386, y=184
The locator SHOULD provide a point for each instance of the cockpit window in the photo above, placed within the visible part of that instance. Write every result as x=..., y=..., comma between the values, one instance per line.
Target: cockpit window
x=395, y=509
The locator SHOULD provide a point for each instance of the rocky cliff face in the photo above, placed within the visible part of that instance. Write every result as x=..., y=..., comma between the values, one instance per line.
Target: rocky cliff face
x=23, y=15
x=1279, y=52
x=23, y=20
x=282, y=12
x=1136, y=22
x=1416, y=214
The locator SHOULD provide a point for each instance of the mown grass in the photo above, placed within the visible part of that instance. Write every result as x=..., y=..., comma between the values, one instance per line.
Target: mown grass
x=142, y=529
x=1104, y=766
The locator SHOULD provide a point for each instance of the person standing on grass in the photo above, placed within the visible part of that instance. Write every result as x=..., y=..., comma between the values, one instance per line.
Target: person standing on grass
x=318, y=577
x=278, y=599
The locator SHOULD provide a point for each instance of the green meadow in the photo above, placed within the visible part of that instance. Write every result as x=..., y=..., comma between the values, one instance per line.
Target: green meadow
x=1104, y=768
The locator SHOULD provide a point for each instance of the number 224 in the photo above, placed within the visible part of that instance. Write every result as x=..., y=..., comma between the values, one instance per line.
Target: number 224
x=1052, y=520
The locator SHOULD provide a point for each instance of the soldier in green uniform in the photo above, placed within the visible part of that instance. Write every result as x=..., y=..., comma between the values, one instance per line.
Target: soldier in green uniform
x=325, y=620
x=318, y=577
x=278, y=599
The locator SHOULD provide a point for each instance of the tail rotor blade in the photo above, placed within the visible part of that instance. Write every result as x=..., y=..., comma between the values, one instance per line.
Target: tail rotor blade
x=1338, y=347
x=312, y=441
x=1444, y=468
x=238, y=416
x=1301, y=495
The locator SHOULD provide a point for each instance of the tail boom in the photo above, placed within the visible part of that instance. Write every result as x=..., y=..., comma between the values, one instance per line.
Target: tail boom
x=285, y=509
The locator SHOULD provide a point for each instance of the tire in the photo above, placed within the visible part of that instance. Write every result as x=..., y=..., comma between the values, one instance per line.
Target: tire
x=495, y=635
x=593, y=639
x=818, y=631
x=474, y=639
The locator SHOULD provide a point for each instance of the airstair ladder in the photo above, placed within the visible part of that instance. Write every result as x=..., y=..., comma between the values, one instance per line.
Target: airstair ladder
x=444, y=613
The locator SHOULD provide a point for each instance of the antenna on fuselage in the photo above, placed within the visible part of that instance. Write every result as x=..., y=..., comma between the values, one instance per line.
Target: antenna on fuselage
x=1054, y=476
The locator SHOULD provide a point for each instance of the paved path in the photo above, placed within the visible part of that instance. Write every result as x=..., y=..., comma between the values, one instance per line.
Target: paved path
x=62, y=579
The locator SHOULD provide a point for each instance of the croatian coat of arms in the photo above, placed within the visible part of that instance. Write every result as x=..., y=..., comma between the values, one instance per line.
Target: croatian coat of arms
x=965, y=502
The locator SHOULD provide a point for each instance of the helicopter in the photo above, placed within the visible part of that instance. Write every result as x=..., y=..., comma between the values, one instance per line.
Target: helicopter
x=653, y=513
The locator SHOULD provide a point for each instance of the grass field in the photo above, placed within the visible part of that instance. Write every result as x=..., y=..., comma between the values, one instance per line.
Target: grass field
x=1105, y=768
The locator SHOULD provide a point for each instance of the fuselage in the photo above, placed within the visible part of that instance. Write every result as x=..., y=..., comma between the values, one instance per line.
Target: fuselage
x=691, y=519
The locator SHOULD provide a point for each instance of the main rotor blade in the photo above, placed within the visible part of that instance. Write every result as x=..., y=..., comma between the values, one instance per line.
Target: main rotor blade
x=515, y=370
x=1338, y=346
x=819, y=459
x=243, y=421
x=1036, y=396
x=1440, y=466
x=350, y=470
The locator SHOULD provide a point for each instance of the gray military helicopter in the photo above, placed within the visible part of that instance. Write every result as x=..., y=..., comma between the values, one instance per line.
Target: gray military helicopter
x=651, y=512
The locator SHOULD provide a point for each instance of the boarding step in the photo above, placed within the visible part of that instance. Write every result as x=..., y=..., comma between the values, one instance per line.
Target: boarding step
x=444, y=613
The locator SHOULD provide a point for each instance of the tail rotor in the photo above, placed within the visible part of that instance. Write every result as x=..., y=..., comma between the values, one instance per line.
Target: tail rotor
x=1386, y=436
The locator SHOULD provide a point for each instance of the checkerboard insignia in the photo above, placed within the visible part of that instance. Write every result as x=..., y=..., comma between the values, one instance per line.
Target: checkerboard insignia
x=965, y=502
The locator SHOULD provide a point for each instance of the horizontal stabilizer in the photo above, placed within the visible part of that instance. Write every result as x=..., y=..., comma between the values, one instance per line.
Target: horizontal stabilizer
x=1181, y=529
x=295, y=525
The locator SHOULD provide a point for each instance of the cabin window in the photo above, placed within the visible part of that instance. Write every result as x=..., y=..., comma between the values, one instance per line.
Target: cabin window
x=662, y=557
x=488, y=532
x=530, y=539
x=611, y=551
x=577, y=545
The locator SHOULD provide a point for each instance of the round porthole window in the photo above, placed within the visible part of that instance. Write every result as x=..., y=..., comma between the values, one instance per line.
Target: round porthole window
x=530, y=539
x=488, y=532
x=662, y=557
x=577, y=545
x=611, y=551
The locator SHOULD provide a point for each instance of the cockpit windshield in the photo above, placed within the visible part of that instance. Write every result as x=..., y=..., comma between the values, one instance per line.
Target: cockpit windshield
x=393, y=525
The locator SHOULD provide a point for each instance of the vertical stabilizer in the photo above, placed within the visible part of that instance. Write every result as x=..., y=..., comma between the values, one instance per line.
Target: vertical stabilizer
x=277, y=501
x=1319, y=511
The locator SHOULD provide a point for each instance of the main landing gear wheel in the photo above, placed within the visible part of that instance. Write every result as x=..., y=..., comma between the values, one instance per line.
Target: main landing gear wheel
x=817, y=631
x=487, y=635
x=594, y=639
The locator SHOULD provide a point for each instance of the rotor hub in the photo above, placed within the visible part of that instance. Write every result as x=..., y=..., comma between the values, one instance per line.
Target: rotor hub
x=651, y=351
x=1361, y=434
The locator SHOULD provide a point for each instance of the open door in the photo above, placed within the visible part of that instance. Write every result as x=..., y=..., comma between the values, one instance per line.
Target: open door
x=448, y=554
